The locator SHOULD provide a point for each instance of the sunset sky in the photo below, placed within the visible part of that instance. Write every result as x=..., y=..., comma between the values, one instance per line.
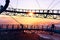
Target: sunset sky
x=30, y=4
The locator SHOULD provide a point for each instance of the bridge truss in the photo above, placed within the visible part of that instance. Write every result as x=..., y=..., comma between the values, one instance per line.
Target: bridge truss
x=51, y=14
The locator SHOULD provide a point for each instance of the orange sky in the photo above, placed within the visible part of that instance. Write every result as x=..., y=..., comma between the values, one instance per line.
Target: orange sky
x=27, y=20
x=35, y=21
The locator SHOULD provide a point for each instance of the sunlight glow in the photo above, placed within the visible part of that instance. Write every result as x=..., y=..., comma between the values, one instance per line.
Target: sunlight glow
x=31, y=14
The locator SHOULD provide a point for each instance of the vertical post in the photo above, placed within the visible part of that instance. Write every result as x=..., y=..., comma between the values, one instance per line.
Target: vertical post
x=42, y=27
x=18, y=27
x=52, y=11
x=0, y=29
x=39, y=11
x=57, y=11
x=52, y=29
x=43, y=11
x=0, y=26
x=34, y=26
x=48, y=11
x=31, y=26
x=12, y=26
x=7, y=26
x=35, y=10
x=22, y=27
x=27, y=26
x=22, y=10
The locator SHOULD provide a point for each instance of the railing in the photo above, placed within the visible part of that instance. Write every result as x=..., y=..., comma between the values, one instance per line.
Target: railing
x=35, y=10
x=17, y=26
x=6, y=28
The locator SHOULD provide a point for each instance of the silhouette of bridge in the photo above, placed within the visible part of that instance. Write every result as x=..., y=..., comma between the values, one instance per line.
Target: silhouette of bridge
x=36, y=11
x=51, y=14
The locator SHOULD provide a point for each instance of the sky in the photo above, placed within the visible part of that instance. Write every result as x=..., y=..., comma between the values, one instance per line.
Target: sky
x=33, y=4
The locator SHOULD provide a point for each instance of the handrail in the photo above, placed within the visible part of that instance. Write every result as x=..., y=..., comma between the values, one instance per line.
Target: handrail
x=5, y=6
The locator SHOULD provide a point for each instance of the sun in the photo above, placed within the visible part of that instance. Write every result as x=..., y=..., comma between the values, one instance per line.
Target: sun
x=30, y=14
